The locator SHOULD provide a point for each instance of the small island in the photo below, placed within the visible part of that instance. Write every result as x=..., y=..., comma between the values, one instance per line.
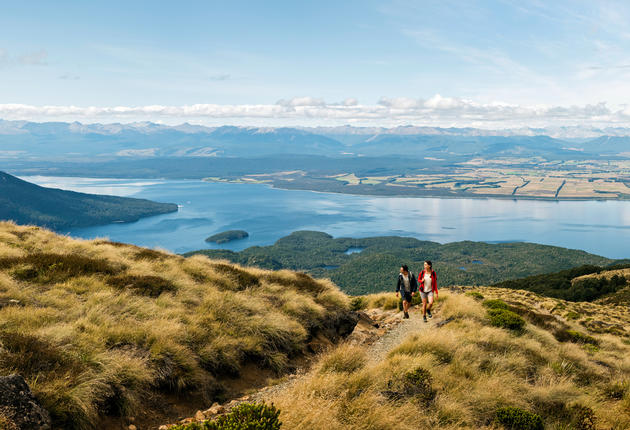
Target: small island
x=227, y=236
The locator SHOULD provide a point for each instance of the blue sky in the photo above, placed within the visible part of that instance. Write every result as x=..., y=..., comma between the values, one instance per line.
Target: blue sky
x=491, y=64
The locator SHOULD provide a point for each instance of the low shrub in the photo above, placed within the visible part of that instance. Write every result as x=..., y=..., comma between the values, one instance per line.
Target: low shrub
x=143, y=285
x=495, y=304
x=565, y=335
x=504, y=318
x=475, y=295
x=582, y=417
x=48, y=268
x=246, y=416
x=417, y=383
x=518, y=419
x=572, y=315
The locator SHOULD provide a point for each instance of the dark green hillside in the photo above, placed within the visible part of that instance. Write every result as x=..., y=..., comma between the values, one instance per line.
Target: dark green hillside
x=374, y=268
x=27, y=203
x=574, y=284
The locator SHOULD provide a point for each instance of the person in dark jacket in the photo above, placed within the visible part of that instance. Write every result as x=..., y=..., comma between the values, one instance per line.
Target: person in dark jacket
x=406, y=287
x=428, y=288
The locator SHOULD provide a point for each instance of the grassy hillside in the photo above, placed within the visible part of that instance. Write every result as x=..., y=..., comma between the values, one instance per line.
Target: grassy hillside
x=27, y=203
x=104, y=329
x=475, y=373
x=375, y=267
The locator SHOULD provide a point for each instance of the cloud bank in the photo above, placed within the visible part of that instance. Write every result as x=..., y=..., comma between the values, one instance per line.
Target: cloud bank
x=434, y=111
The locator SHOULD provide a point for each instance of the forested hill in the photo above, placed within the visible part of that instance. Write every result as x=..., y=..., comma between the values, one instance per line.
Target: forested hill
x=369, y=265
x=27, y=203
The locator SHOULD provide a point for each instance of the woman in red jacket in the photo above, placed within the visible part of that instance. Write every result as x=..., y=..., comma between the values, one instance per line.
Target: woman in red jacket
x=427, y=280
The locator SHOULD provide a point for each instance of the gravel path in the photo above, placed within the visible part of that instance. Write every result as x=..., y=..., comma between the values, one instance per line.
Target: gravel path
x=379, y=349
x=376, y=351
x=397, y=332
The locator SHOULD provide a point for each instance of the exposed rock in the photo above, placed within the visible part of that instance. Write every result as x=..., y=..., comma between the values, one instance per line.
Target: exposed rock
x=215, y=409
x=19, y=408
x=199, y=416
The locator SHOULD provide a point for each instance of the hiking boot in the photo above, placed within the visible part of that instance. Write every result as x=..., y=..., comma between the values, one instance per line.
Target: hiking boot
x=424, y=318
x=429, y=314
x=406, y=315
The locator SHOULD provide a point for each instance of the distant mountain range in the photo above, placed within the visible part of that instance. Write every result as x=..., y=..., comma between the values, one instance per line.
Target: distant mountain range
x=26, y=203
x=58, y=141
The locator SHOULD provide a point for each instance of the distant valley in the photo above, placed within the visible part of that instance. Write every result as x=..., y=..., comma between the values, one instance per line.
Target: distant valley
x=404, y=161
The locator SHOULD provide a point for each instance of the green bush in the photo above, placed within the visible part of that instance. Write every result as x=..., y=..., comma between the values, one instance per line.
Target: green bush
x=505, y=319
x=475, y=295
x=574, y=336
x=518, y=419
x=416, y=383
x=571, y=315
x=496, y=304
x=246, y=416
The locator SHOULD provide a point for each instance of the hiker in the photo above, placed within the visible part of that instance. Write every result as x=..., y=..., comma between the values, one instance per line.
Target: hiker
x=427, y=279
x=407, y=286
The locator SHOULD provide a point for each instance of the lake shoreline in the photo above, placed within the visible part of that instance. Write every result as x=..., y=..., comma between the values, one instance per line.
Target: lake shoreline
x=269, y=213
x=427, y=195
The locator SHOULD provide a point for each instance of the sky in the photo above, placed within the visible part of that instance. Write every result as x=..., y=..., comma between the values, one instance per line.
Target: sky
x=487, y=64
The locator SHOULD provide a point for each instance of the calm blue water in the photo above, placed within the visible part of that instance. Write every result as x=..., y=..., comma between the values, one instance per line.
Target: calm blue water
x=267, y=214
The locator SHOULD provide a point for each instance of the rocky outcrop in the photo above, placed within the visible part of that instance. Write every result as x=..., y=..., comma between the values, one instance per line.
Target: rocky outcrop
x=19, y=409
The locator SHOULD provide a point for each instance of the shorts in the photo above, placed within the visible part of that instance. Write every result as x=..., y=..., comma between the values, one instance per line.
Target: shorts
x=425, y=296
x=406, y=296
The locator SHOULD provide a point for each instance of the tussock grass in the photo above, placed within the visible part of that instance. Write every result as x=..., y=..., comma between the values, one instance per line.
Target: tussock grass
x=471, y=374
x=345, y=359
x=384, y=301
x=100, y=328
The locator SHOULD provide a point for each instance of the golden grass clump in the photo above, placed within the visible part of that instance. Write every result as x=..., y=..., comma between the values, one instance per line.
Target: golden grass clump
x=469, y=372
x=102, y=328
x=384, y=301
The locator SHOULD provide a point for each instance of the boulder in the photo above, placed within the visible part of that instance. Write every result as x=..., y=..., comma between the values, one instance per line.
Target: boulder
x=18, y=406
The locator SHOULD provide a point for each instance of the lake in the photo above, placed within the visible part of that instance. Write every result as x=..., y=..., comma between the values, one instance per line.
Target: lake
x=267, y=214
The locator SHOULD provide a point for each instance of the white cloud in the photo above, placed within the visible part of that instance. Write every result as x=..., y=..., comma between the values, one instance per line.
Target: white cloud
x=301, y=101
x=434, y=111
x=37, y=58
